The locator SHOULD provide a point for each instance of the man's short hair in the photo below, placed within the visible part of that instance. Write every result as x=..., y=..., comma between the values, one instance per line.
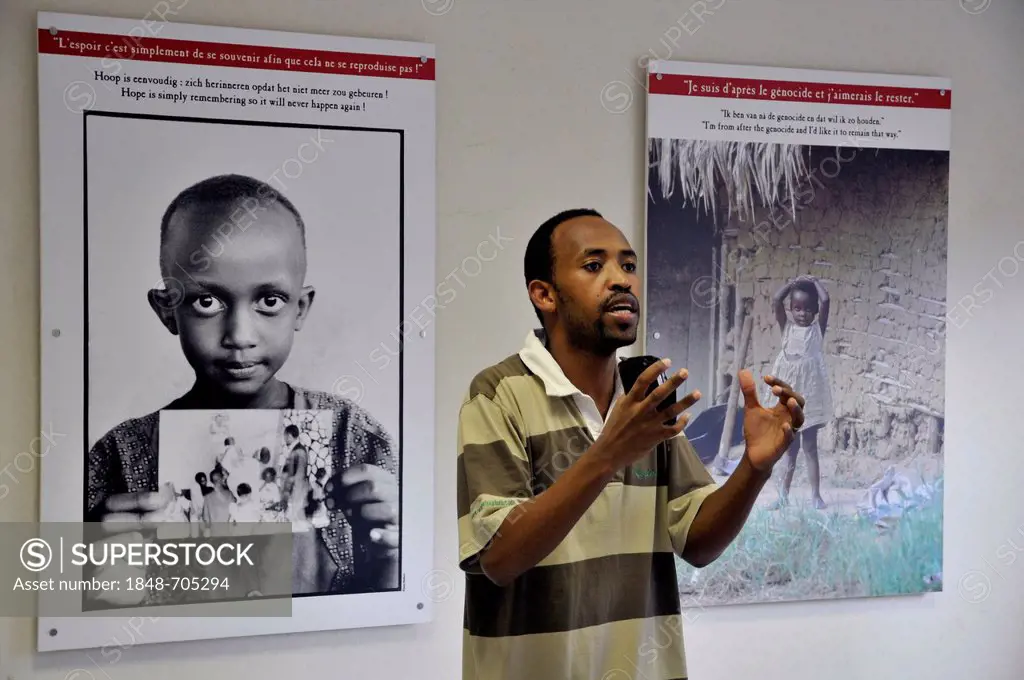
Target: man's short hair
x=292, y=431
x=226, y=190
x=539, y=260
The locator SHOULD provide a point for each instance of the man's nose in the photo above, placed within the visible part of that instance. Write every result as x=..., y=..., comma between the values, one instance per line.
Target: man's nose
x=618, y=279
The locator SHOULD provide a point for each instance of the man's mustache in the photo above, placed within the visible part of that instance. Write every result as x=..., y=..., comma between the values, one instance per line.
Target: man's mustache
x=623, y=299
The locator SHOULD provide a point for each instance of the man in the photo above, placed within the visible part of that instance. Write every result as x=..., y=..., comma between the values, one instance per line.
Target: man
x=574, y=497
x=295, y=481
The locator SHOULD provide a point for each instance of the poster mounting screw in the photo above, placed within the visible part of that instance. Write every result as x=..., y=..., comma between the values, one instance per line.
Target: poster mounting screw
x=53, y=632
x=658, y=76
x=419, y=605
x=55, y=332
x=53, y=30
x=423, y=334
x=423, y=60
x=657, y=335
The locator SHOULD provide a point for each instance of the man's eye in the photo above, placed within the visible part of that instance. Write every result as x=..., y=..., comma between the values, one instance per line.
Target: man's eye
x=207, y=305
x=629, y=267
x=592, y=266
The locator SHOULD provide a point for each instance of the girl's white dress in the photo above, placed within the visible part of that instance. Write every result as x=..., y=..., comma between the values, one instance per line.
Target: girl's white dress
x=801, y=364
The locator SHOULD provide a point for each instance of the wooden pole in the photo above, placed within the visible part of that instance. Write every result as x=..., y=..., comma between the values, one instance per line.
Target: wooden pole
x=712, y=315
x=734, y=391
x=724, y=275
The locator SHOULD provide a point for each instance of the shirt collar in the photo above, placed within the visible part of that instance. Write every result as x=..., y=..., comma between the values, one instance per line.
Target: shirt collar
x=539, y=360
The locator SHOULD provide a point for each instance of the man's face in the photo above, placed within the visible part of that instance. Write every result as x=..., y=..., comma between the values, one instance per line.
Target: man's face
x=239, y=296
x=218, y=480
x=595, y=285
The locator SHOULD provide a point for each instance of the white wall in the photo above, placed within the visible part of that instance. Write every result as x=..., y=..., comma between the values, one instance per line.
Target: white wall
x=522, y=134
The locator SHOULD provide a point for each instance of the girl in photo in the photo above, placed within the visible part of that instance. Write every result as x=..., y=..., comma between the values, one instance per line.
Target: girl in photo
x=801, y=364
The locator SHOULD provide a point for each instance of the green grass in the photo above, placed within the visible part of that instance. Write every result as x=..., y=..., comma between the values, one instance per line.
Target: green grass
x=801, y=553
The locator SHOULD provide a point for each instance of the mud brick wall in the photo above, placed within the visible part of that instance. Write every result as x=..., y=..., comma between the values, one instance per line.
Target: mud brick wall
x=873, y=230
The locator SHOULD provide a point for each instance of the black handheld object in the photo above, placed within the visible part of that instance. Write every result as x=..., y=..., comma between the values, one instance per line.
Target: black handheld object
x=630, y=369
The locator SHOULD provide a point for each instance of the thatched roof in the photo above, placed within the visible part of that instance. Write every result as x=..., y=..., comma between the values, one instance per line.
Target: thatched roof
x=733, y=175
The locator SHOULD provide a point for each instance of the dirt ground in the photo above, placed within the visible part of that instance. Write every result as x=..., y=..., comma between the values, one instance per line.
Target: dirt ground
x=845, y=479
x=836, y=499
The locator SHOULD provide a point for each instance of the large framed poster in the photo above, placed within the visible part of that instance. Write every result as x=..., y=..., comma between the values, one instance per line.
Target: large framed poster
x=237, y=238
x=796, y=225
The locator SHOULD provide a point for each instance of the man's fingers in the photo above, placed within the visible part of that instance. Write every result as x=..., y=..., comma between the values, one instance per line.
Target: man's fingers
x=796, y=412
x=673, y=428
x=686, y=402
x=749, y=389
x=783, y=391
x=787, y=436
x=671, y=384
x=639, y=390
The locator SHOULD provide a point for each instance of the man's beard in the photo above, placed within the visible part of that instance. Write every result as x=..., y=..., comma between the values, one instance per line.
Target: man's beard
x=594, y=337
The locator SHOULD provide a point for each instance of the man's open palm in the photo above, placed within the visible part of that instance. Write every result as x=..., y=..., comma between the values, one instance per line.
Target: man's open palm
x=769, y=431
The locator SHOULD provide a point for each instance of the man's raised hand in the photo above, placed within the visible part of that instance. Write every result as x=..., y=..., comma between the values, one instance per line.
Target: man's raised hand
x=769, y=432
x=635, y=425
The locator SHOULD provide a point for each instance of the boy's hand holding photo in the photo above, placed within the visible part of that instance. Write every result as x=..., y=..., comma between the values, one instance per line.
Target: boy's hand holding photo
x=124, y=518
x=368, y=495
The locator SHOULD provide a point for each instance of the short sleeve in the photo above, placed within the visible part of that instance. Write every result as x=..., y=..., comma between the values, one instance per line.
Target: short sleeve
x=689, y=483
x=494, y=475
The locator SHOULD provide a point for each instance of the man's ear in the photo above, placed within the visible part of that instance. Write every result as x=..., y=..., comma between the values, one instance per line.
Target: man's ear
x=164, y=302
x=543, y=296
x=305, y=303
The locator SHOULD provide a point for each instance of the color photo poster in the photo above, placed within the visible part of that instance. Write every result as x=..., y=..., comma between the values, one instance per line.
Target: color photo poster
x=236, y=225
x=796, y=226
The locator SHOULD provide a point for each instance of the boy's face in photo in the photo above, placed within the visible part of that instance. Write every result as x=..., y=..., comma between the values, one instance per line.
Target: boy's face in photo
x=240, y=296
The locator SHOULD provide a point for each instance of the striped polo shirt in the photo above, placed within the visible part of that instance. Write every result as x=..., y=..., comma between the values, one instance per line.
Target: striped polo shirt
x=604, y=605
